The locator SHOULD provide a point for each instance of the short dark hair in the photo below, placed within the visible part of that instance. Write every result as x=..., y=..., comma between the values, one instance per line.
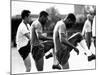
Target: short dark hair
x=25, y=13
x=43, y=13
x=71, y=16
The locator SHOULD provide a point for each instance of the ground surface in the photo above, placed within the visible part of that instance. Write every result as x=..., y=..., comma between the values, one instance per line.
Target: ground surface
x=76, y=62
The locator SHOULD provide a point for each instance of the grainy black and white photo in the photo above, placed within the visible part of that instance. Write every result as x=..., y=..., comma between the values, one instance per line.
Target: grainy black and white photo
x=52, y=37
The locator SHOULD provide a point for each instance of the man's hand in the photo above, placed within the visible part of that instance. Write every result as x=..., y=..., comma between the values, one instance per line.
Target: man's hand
x=92, y=39
x=44, y=34
x=77, y=51
x=42, y=45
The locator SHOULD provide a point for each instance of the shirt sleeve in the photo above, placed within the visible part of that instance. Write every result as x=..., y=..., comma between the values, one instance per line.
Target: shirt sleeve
x=24, y=29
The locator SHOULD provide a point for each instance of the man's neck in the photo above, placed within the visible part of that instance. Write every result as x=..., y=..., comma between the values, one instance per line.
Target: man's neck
x=40, y=21
x=65, y=24
x=24, y=22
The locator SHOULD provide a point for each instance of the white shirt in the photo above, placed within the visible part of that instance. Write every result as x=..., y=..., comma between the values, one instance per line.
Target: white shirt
x=21, y=39
x=87, y=27
x=93, y=27
x=59, y=28
x=35, y=28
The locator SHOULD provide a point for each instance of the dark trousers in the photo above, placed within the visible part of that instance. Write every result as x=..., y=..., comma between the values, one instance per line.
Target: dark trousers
x=88, y=39
x=38, y=53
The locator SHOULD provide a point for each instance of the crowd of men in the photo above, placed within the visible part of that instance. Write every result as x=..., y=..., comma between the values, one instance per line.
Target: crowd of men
x=32, y=39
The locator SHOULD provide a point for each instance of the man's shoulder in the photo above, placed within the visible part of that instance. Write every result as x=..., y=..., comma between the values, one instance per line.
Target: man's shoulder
x=35, y=23
x=61, y=24
x=87, y=21
x=21, y=25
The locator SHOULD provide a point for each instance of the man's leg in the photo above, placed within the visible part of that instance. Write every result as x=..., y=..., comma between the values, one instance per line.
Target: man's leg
x=63, y=54
x=27, y=63
x=74, y=39
x=24, y=52
x=92, y=57
x=77, y=38
x=56, y=64
x=39, y=64
x=83, y=44
x=38, y=54
x=88, y=39
x=94, y=41
x=49, y=55
x=87, y=52
x=66, y=66
x=50, y=45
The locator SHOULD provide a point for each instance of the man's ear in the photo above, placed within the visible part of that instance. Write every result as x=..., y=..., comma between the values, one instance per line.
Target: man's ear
x=26, y=16
x=68, y=20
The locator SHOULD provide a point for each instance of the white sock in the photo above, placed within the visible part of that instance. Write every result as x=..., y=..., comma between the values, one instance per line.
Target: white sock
x=84, y=46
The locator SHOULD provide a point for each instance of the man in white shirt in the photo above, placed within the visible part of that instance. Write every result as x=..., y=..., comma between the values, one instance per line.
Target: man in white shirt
x=23, y=39
x=39, y=45
x=87, y=30
x=61, y=43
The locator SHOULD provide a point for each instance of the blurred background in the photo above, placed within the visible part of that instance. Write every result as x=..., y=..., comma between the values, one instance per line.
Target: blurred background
x=56, y=13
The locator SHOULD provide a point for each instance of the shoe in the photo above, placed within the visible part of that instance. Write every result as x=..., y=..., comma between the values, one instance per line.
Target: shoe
x=56, y=67
x=48, y=56
x=92, y=57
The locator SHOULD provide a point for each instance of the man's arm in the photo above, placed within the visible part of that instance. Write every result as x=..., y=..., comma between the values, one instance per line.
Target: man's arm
x=84, y=27
x=25, y=32
x=42, y=37
x=27, y=35
x=83, y=30
x=67, y=43
x=39, y=33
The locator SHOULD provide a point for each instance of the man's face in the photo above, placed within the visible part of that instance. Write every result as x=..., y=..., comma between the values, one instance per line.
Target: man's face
x=69, y=23
x=91, y=17
x=44, y=19
x=28, y=19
